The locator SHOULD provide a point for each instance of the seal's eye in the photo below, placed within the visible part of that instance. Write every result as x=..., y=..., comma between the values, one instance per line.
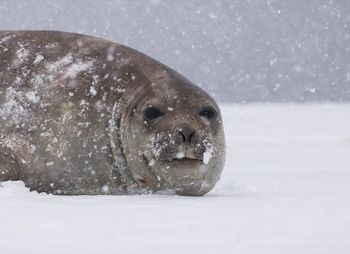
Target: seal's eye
x=152, y=113
x=208, y=112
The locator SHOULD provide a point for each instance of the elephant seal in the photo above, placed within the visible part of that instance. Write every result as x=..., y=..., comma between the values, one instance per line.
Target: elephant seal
x=83, y=115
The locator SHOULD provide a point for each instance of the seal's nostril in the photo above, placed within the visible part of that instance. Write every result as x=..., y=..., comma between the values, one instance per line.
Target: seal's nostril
x=191, y=136
x=183, y=136
x=187, y=135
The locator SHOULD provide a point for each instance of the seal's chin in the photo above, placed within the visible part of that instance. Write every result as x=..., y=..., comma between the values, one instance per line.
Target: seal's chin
x=179, y=169
x=186, y=175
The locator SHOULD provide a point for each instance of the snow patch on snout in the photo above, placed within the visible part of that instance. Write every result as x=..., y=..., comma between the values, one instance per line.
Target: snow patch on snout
x=208, y=152
x=157, y=146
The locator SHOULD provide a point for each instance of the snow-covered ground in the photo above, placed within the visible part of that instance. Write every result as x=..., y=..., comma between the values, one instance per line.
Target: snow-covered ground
x=285, y=189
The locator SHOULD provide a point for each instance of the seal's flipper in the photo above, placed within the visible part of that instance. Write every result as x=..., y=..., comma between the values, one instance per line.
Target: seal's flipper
x=9, y=168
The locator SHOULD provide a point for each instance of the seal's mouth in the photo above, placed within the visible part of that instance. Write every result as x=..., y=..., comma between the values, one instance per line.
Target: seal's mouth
x=184, y=156
x=185, y=159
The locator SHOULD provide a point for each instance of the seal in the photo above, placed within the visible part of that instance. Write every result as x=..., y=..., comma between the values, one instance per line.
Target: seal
x=84, y=115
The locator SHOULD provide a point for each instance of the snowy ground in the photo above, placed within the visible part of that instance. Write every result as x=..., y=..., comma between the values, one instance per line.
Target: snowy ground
x=285, y=189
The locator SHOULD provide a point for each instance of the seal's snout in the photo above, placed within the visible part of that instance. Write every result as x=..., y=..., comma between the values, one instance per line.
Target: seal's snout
x=186, y=135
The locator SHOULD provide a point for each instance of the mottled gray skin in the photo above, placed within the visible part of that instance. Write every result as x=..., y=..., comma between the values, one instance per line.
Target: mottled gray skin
x=72, y=119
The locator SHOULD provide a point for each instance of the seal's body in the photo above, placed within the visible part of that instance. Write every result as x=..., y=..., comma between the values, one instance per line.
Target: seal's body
x=83, y=115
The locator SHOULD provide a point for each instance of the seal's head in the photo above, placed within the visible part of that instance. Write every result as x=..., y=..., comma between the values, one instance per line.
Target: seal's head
x=172, y=136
